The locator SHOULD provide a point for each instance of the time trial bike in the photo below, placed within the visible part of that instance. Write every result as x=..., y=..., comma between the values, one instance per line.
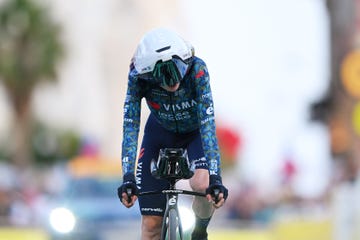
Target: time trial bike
x=172, y=165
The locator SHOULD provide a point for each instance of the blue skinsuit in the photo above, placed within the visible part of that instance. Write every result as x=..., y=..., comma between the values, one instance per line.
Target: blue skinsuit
x=181, y=118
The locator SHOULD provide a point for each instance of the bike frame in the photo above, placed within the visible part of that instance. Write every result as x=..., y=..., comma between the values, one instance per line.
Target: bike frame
x=171, y=224
x=171, y=204
x=172, y=197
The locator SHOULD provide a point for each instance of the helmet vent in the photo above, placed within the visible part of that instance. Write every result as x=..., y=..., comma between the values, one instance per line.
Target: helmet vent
x=163, y=49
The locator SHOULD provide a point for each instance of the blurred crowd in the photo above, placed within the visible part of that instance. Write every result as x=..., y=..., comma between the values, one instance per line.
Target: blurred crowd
x=26, y=197
x=24, y=194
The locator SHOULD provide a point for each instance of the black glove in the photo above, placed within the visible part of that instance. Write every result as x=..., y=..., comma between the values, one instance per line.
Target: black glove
x=216, y=187
x=129, y=187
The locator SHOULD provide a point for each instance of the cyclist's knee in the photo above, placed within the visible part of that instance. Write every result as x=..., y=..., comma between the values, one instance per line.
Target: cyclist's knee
x=151, y=226
x=200, y=181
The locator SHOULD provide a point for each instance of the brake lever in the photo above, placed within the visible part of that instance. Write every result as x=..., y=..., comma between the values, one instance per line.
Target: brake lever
x=216, y=195
x=129, y=194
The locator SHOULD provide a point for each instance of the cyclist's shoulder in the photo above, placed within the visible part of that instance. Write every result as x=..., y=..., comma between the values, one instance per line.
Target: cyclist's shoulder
x=140, y=82
x=199, y=72
x=197, y=62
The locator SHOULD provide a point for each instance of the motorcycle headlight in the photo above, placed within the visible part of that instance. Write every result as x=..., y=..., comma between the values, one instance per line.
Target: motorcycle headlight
x=62, y=220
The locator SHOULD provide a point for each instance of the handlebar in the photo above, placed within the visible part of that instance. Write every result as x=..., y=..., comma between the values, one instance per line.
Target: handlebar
x=173, y=191
x=216, y=195
x=129, y=194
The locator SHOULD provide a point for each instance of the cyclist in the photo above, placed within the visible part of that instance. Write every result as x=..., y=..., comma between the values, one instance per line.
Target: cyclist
x=175, y=85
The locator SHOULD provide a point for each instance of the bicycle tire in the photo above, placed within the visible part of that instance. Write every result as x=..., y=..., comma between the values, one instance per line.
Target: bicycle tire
x=173, y=224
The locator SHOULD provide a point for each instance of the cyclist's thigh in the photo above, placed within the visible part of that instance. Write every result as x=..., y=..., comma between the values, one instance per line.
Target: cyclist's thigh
x=200, y=181
x=196, y=152
x=153, y=139
x=151, y=224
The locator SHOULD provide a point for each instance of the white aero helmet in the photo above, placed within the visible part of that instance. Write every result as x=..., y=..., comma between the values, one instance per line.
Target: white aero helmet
x=167, y=48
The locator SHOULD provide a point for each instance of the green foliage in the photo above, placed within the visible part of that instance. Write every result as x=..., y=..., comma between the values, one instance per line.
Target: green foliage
x=30, y=49
x=4, y=150
x=48, y=145
x=51, y=145
x=29, y=45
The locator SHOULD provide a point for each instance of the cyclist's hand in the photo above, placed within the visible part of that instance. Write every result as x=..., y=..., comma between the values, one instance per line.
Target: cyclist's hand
x=128, y=191
x=216, y=192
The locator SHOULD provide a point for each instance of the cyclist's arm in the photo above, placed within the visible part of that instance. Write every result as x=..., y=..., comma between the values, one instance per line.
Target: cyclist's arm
x=131, y=124
x=207, y=118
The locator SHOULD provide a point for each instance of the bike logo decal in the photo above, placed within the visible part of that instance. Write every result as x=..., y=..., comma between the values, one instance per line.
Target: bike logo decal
x=172, y=201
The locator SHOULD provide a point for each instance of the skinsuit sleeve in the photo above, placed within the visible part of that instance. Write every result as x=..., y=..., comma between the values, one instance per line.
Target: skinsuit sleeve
x=206, y=117
x=131, y=124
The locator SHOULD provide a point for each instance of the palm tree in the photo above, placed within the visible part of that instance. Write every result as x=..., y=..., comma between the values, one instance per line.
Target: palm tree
x=30, y=49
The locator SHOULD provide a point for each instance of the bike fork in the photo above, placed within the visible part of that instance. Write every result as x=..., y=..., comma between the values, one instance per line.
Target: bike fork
x=172, y=204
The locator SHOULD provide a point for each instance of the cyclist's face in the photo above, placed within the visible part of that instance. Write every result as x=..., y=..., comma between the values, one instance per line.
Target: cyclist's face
x=172, y=88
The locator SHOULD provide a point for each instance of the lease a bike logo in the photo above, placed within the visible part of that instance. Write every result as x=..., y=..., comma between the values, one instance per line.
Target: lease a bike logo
x=210, y=110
